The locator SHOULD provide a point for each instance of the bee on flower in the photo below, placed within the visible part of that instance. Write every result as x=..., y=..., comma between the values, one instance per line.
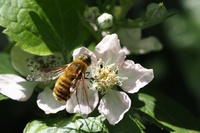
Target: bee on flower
x=110, y=69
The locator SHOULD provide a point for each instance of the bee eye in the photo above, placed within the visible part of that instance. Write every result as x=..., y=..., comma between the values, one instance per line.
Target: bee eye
x=88, y=59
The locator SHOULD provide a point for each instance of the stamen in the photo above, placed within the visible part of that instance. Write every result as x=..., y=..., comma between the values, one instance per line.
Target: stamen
x=105, y=76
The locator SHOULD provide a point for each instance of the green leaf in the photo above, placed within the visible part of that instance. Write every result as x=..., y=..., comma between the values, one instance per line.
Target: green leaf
x=25, y=63
x=129, y=35
x=139, y=125
x=161, y=110
x=60, y=125
x=131, y=38
x=19, y=60
x=2, y=97
x=127, y=125
x=43, y=27
x=146, y=45
x=5, y=65
x=155, y=14
x=14, y=16
x=125, y=5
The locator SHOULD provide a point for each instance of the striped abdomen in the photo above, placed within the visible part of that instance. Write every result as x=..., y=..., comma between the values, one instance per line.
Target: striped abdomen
x=66, y=83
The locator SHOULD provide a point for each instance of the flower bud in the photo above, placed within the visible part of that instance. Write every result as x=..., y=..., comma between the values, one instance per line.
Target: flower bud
x=105, y=20
x=91, y=14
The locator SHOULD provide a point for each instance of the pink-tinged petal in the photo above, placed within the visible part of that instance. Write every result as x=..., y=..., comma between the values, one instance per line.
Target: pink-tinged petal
x=114, y=105
x=80, y=103
x=77, y=52
x=110, y=43
x=126, y=51
x=109, y=50
x=119, y=58
x=48, y=103
x=15, y=87
x=111, y=57
x=138, y=76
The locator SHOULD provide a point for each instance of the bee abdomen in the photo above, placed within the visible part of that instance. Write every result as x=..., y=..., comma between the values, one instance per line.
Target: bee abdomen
x=62, y=89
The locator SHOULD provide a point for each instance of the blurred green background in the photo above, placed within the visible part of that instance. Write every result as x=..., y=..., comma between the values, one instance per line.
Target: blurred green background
x=176, y=66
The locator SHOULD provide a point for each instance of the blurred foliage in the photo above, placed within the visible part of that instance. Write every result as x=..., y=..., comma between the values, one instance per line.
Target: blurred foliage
x=183, y=31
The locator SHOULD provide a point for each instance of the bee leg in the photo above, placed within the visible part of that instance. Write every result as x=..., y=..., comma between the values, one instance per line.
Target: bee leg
x=86, y=75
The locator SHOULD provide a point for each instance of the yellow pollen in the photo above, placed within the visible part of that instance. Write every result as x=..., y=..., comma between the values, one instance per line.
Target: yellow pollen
x=105, y=76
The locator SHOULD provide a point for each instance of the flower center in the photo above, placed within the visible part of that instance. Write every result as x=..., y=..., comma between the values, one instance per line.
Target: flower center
x=106, y=76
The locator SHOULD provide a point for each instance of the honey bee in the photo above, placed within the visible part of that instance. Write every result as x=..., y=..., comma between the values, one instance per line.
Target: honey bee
x=69, y=77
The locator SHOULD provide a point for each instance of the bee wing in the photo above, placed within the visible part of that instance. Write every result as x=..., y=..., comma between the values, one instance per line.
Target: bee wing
x=46, y=74
x=79, y=101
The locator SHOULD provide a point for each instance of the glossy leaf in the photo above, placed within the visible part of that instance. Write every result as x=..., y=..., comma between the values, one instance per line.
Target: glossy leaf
x=167, y=114
x=14, y=16
x=2, y=97
x=60, y=125
x=19, y=60
x=128, y=124
x=43, y=27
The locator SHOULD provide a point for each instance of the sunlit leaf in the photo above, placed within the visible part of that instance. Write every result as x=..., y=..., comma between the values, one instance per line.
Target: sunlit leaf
x=43, y=27
x=163, y=110
x=18, y=59
x=2, y=97
x=14, y=16
x=60, y=125
x=139, y=125
x=26, y=63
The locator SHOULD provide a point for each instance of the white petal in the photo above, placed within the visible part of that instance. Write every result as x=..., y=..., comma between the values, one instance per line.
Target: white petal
x=15, y=87
x=48, y=103
x=109, y=45
x=126, y=50
x=80, y=103
x=114, y=105
x=119, y=58
x=138, y=76
x=109, y=50
x=77, y=52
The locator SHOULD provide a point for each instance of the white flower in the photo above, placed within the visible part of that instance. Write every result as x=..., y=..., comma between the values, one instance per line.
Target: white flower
x=13, y=85
x=17, y=88
x=109, y=68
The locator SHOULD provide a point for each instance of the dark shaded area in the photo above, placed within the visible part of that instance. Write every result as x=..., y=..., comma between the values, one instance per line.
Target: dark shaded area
x=172, y=83
x=3, y=39
x=15, y=115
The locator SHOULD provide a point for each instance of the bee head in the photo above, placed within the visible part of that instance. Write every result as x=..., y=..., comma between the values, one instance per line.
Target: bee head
x=86, y=58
